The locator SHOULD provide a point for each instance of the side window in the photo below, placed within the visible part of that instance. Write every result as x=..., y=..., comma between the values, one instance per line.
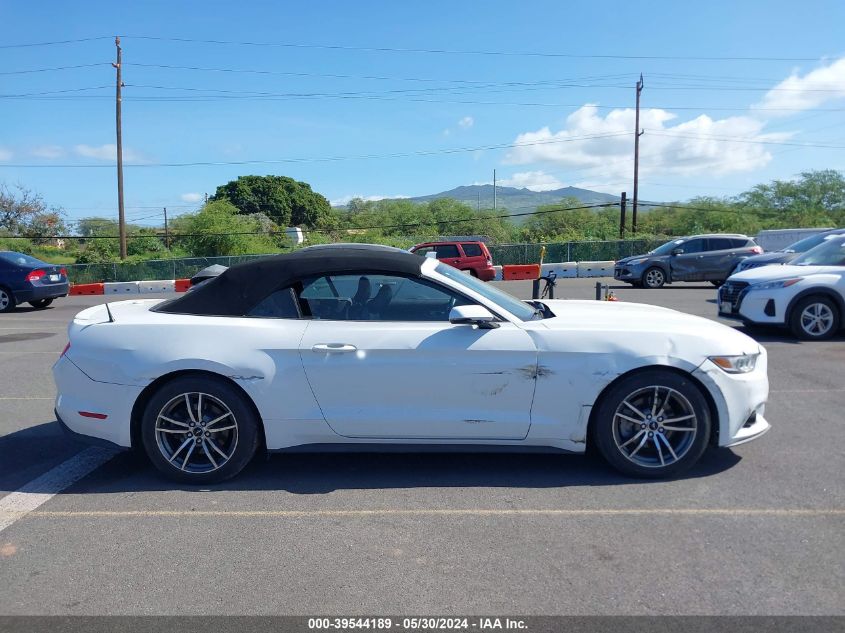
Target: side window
x=692, y=246
x=471, y=250
x=376, y=297
x=742, y=243
x=425, y=250
x=279, y=305
x=444, y=251
x=719, y=244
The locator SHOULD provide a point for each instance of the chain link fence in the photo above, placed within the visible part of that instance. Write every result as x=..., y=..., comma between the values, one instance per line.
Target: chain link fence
x=593, y=251
x=502, y=254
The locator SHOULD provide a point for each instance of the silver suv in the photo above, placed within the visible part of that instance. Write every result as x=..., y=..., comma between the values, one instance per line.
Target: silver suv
x=710, y=258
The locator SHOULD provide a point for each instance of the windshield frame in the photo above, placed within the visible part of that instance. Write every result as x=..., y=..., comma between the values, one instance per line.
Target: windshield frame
x=481, y=291
x=819, y=239
x=676, y=243
x=829, y=247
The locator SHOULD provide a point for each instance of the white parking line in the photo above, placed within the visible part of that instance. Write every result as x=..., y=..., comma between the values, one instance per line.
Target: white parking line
x=32, y=495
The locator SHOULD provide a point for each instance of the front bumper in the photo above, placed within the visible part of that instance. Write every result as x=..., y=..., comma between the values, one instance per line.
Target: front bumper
x=78, y=394
x=629, y=274
x=752, y=306
x=740, y=400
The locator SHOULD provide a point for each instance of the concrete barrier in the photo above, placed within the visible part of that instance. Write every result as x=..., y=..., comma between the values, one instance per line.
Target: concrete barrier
x=152, y=287
x=121, y=288
x=595, y=269
x=562, y=270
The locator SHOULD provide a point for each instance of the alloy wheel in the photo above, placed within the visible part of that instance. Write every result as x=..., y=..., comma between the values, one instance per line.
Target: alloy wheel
x=654, y=426
x=816, y=319
x=196, y=432
x=4, y=299
x=655, y=278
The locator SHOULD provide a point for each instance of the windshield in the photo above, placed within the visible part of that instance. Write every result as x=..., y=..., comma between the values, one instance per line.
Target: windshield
x=518, y=308
x=802, y=246
x=830, y=252
x=19, y=259
x=667, y=248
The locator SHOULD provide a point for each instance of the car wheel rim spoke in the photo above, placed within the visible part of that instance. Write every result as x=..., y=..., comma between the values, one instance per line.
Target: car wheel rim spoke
x=816, y=319
x=662, y=432
x=184, y=435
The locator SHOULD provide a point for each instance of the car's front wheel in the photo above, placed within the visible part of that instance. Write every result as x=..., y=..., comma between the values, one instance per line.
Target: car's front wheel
x=7, y=300
x=814, y=318
x=40, y=304
x=653, y=424
x=654, y=278
x=199, y=429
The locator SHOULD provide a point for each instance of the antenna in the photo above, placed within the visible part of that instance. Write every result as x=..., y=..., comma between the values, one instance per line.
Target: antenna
x=111, y=317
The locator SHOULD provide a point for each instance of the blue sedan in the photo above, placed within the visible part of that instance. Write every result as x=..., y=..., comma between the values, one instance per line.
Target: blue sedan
x=25, y=279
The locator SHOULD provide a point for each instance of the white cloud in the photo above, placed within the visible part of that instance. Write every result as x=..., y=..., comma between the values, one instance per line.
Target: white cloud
x=108, y=151
x=5, y=154
x=810, y=91
x=466, y=122
x=533, y=180
x=191, y=197
x=344, y=200
x=602, y=146
x=48, y=151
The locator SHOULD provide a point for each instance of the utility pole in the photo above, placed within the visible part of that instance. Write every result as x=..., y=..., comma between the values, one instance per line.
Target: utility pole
x=622, y=201
x=637, y=134
x=494, y=190
x=121, y=218
x=167, y=233
x=478, y=203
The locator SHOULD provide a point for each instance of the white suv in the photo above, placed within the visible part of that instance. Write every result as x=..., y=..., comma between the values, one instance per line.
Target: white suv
x=807, y=295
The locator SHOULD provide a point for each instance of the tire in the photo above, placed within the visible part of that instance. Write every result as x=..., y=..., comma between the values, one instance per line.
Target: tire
x=814, y=318
x=654, y=278
x=7, y=300
x=472, y=272
x=40, y=304
x=628, y=439
x=193, y=456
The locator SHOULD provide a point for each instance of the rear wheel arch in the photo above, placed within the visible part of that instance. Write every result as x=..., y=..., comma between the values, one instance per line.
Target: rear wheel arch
x=148, y=392
x=708, y=397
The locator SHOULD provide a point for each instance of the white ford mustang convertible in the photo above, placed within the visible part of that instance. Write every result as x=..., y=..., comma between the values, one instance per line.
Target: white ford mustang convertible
x=374, y=348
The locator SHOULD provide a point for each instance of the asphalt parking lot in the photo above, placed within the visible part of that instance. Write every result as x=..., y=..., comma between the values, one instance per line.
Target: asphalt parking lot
x=753, y=530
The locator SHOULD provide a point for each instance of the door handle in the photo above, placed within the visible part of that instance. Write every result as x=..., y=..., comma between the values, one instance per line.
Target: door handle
x=333, y=348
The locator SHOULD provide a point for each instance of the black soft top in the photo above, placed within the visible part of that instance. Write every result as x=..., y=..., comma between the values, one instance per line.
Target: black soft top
x=240, y=288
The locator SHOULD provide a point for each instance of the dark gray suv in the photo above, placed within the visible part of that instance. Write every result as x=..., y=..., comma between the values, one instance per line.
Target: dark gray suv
x=710, y=258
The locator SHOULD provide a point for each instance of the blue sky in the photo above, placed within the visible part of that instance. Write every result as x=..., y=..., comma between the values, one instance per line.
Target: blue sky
x=713, y=126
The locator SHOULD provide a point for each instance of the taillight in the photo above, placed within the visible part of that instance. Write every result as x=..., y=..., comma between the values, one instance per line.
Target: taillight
x=35, y=275
x=67, y=347
x=489, y=262
x=757, y=250
x=63, y=271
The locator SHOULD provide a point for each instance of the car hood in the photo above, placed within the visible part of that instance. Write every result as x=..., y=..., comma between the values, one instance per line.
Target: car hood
x=783, y=272
x=642, y=325
x=776, y=257
x=625, y=260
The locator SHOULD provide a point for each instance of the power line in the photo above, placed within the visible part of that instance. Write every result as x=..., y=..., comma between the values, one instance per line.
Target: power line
x=55, y=68
x=439, y=51
x=75, y=41
x=454, y=150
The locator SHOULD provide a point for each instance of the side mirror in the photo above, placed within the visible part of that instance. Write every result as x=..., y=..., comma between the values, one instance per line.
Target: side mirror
x=677, y=251
x=473, y=315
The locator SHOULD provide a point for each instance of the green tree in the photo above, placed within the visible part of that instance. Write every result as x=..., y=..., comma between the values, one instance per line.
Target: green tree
x=286, y=201
x=24, y=212
x=218, y=229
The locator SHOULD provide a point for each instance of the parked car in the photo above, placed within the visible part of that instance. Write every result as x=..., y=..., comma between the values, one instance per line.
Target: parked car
x=696, y=258
x=25, y=279
x=789, y=253
x=807, y=295
x=372, y=347
x=473, y=257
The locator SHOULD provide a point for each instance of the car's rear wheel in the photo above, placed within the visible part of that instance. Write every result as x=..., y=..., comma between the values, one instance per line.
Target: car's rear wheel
x=7, y=300
x=652, y=424
x=654, y=277
x=199, y=429
x=814, y=318
x=40, y=304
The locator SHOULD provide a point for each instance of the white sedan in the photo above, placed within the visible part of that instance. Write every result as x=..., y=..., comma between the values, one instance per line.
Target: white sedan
x=806, y=295
x=373, y=348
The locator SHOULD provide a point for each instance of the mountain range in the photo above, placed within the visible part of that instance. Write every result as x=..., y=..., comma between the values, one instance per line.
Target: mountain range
x=513, y=199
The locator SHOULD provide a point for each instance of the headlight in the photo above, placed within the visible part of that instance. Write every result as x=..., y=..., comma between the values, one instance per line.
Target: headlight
x=780, y=283
x=736, y=364
x=636, y=262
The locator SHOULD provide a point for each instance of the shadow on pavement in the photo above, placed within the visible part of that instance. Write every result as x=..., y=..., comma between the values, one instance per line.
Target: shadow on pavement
x=320, y=473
